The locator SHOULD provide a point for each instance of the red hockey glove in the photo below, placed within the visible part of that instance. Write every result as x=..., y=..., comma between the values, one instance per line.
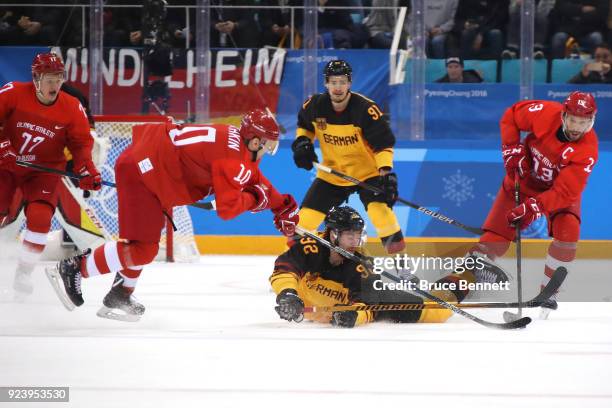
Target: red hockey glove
x=525, y=213
x=261, y=194
x=515, y=159
x=90, y=177
x=8, y=157
x=286, y=217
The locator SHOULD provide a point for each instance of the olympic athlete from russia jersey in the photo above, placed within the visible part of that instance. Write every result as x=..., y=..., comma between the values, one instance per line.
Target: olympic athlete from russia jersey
x=38, y=122
x=166, y=166
x=553, y=163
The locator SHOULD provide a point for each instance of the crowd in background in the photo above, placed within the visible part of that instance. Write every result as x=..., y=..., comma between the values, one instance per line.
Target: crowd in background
x=469, y=29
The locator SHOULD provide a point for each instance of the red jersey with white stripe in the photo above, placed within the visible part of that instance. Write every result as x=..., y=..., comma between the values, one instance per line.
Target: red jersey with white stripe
x=183, y=164
x=39, y=133
x=559, y=169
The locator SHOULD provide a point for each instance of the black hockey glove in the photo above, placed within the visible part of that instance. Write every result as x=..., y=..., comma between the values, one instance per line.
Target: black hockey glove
x=344, y=319
x=303, y=153
x=290, y=306
x=389, y=185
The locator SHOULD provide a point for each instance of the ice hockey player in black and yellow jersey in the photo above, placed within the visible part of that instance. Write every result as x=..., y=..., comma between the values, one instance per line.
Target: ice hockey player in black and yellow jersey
x=309, y=274
x=355, y=139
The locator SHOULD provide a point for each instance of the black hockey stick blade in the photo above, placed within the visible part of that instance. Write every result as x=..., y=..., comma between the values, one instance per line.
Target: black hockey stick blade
x=555, y=282
x=517, y=324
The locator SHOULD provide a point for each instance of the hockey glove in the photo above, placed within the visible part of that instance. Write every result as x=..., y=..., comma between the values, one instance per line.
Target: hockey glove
x=389, y=185
x=303, y=153
x=90, y=176
x=525, y=213
x=290, y=306
x=344, y=319
x=260, y=192
x=286, y=217
x=8, y=157
x=515, y=159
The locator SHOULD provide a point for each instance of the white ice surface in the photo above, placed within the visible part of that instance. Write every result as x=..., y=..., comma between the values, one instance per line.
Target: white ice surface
x=210, y=338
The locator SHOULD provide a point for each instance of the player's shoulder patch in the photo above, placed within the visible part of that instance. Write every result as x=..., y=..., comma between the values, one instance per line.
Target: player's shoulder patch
x=363, y=98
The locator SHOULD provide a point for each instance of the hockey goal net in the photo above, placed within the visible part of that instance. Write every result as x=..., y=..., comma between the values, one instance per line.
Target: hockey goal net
x=98, y=219
x=116, y=130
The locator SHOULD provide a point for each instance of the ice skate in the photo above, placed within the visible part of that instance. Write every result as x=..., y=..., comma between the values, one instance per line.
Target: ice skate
x=490, y=272
x=548, y=306
x=120, y=304
x=23, y=281
x=65, y=278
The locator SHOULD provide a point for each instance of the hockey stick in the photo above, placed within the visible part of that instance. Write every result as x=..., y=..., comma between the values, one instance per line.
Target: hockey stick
x=509, y=316
x=60, y=172
x=420, y=208
x=511, y=325
x=551, y=287
x=205, y=206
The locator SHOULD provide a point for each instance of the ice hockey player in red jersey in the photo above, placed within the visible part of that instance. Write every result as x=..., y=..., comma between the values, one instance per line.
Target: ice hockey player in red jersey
x=171, y=165
x=38, y=122
x=554, y=162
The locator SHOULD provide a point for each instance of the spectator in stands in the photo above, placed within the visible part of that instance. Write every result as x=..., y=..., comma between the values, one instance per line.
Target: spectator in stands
x=543, y=9
x=381, y=23
x=456, y=74
x=336, y=27
x=33, y=25
x=598, y=71
x=9, y=30
x=479, y=25
x=234, y=27
x=439, y=21
x=584, y=20
x=276, y=24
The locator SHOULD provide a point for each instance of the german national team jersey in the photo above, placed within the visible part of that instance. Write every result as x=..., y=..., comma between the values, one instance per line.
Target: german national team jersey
x=357, y=141
x=559, y=169
x=305, y=267
x=39, y=133
x=183, y=164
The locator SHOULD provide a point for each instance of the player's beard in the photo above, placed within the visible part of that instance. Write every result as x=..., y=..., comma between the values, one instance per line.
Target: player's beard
x=339, y=99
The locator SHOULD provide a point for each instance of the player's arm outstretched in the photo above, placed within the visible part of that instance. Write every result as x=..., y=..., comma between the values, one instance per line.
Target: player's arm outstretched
x=238, y=190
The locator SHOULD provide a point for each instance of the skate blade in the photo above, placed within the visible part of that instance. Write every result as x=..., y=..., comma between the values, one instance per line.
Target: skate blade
x=58, y=286
x=544, y=313
x=115, y=314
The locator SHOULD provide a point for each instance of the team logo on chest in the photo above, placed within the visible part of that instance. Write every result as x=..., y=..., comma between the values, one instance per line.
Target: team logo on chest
x=321, y=123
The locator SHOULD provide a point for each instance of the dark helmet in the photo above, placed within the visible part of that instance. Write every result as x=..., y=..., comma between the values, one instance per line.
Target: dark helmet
x=344, y=219
x=338, y=67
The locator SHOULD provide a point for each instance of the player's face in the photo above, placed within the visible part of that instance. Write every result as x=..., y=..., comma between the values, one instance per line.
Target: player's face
x=576, y=126
x=455, y=71
x=351, y=240
x=338, y=87
x=49, y=87
x=263, y=146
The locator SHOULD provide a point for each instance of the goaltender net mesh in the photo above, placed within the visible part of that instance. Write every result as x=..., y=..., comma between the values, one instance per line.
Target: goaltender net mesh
x=118, y=131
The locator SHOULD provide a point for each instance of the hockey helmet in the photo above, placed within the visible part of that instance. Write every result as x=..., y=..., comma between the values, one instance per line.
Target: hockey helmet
x=261, y=124
x=47, y=63
x=338, y=67
x=344, y=218
x=578, y=116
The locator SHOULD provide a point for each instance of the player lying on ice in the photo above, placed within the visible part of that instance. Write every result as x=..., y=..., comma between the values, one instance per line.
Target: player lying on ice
x=554, y=162
x=309, y=274
x=170, y=165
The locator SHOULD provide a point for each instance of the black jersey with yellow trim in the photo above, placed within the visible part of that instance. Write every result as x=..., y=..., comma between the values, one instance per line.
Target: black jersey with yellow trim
x=357, y=141
x=306, y=268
